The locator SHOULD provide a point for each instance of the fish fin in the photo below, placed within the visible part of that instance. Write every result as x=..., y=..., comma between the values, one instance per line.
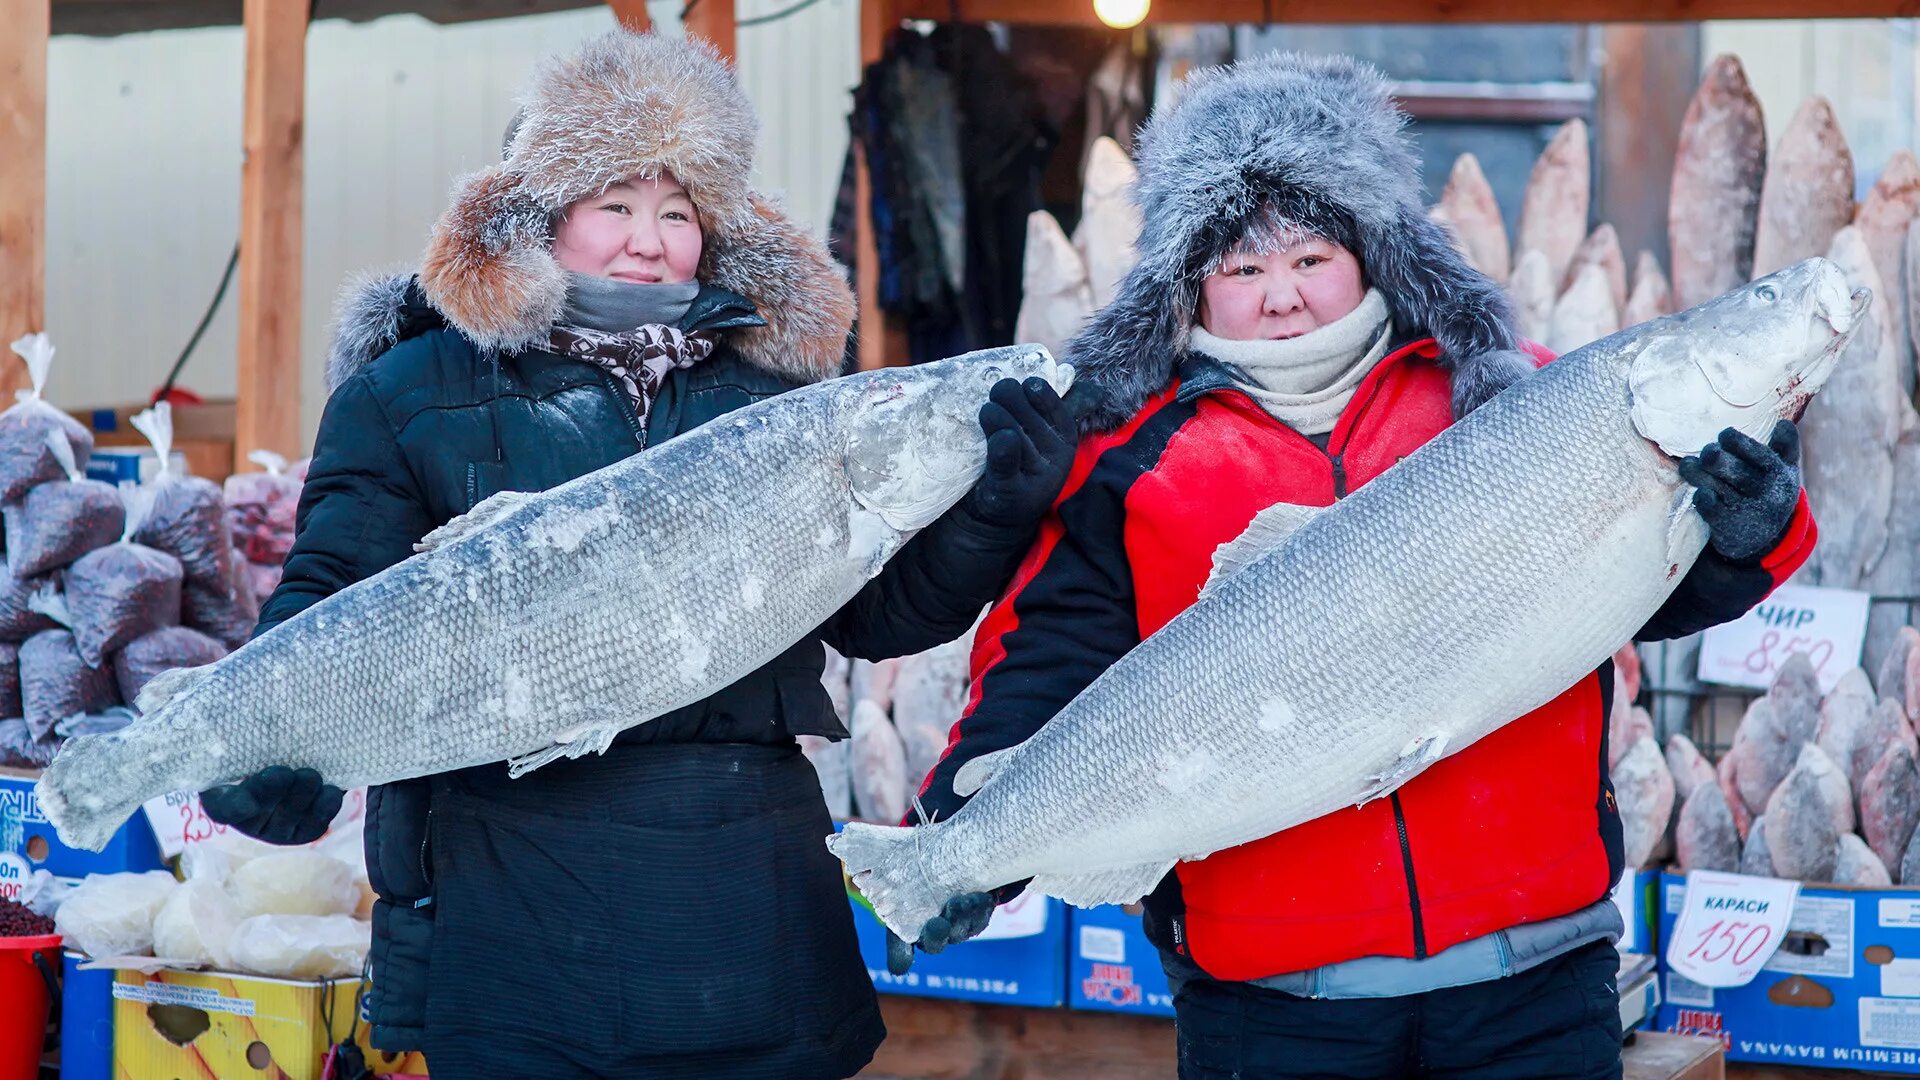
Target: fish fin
x=1123, y=885
x=1264, y=533
x=974, y=774
x=166, y=686
x=573, y=743
x=883, y=862
x=484, y=513
x=1420, y=753
x=1682, y=523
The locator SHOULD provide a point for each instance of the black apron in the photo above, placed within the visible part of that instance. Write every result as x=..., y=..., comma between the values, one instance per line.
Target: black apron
x=664, y=911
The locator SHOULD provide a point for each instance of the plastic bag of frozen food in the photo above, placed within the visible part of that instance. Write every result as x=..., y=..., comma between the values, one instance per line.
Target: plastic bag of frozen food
x=260, y=510
x=185, y=515
x=26, y=457
x=59, y=521
x=196, y=924
x=112, y=914
x=302, y=946
x=162, y=650
x=55, y=682
x=122, y=592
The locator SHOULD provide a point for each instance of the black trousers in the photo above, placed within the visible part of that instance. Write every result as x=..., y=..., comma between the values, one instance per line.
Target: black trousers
x=1559, y=1021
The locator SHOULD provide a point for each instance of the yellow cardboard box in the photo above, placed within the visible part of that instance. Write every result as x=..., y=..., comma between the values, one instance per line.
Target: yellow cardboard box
x=202, y=1025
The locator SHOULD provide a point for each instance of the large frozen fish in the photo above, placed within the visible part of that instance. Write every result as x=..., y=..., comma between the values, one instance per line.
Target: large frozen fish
x=1584, y=313
x=1808, y=193
x=1553, y=215
x=541, y=625
x=1602, y=249
x=1883, y=220
x=1328, y=662
x=1651, y=296
x=1109, y=225
x=1055, y=299
x=1532, y=290
x=1644, y=788
x=1471, y=211
x=1849, y=434
x=1717, y=172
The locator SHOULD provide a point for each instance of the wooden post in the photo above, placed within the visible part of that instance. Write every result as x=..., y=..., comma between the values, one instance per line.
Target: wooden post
x=632, y=14
x=23, y=180
x=881, y=343
x=268, y=416
x=1650, y=76
x=715, y=20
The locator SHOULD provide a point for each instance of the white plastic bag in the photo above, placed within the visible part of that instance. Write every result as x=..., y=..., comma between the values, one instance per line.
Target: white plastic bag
x=302, y=946
x=112, y=914
x=299, y=881
x=196, y=924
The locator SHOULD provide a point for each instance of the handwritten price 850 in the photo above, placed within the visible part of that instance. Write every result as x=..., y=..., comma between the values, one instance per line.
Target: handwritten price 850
x=1775, y=648
x=1740, y=941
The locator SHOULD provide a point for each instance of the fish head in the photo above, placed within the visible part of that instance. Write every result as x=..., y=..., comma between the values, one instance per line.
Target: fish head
x=1744, y=360
x=913, y=439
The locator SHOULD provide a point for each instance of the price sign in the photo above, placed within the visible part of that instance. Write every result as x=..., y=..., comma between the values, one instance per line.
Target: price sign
x=1730, y=925
x=14, y=875
x=1829, y=625
x=178, y=820
x=1024, y=916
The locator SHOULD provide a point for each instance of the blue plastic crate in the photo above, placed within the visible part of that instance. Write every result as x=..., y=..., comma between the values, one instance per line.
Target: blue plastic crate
x=86, y=1022
x=133, y=848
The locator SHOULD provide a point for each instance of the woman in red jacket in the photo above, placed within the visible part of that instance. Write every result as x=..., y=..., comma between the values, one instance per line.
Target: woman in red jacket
x=1295, y=326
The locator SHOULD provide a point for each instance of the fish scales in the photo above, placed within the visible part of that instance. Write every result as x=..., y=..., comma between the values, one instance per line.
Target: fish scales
x=1180, y=749
x=575, y=613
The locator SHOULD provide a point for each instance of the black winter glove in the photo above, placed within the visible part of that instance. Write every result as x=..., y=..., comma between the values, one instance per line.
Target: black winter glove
x=277, y=804
x=963, y=917
x=1746, y=492
x=1030, y=444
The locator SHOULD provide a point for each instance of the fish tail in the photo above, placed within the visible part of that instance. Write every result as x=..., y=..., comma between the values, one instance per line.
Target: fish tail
x=885, y=863
x=76, y=793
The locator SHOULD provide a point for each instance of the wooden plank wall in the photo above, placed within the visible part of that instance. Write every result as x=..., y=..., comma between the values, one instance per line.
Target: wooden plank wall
x=23, y=181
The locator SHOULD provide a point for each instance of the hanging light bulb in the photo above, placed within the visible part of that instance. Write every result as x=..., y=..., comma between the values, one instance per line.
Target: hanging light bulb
x=1121, y=14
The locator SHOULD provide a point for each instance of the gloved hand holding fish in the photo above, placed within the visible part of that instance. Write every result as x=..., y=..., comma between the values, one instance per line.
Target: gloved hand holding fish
x=1336, y=654
x=538, y=626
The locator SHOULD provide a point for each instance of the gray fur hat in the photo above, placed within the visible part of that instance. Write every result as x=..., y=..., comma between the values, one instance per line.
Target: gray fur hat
x=1315, y=143
x=625, y=104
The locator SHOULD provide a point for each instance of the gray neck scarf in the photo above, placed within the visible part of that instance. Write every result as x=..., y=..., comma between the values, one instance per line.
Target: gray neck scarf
x=615, y=307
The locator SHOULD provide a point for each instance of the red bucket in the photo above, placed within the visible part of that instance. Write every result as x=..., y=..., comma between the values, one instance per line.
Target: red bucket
x=27, y=966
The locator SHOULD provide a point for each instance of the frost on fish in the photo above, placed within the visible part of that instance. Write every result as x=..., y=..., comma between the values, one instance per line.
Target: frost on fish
x=541, y=625
x=1802, y=819
x=1883, y=220
x=1718, y=169
x=1808, y=193
x=1553, y=214
x=1109, y=228
x=928, y=698
x=1584, y=313
x=1602, y=249
x=1706, y=838
x=1055, y=297
x=879, y=765
x=1756, y=860
x=1855, y=864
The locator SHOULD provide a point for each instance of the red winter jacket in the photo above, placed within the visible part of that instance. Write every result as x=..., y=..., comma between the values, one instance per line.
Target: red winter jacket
x=1518, y=828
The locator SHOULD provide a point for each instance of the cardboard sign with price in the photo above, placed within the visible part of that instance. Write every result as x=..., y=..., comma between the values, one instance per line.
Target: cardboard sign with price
x=1730, y=926
x=1829, y=625
x=179, y=821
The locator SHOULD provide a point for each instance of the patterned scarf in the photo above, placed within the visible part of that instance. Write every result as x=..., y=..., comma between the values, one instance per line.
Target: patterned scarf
x=639, y=358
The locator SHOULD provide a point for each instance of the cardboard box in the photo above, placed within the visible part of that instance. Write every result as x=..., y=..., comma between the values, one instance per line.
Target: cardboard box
x=1111, y=966
x=203, y=433
x=197, y=1025
x=35, y=844
x=1842, y=992
x=1638, y=897
x=123, y=464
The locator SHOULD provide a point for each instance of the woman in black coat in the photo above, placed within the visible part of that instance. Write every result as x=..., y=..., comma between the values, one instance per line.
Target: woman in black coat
x=667, y=909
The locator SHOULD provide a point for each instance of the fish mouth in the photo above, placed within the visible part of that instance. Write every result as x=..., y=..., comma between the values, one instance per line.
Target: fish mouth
x=1843, y=311
x=1059, y=375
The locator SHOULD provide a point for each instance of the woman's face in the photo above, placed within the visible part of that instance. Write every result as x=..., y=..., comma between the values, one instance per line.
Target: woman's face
x=643, y=231
x=1291, y=291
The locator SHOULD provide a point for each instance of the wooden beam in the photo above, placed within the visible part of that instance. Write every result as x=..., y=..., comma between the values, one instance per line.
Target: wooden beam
x=1080, y=12
x=632, y=14
x=717, y=21
x=23, y=180
x=1649, y=78
x=268, y=417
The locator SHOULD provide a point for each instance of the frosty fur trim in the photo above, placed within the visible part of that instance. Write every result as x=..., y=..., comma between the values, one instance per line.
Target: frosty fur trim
x=1315, y=143
x=624, y=105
